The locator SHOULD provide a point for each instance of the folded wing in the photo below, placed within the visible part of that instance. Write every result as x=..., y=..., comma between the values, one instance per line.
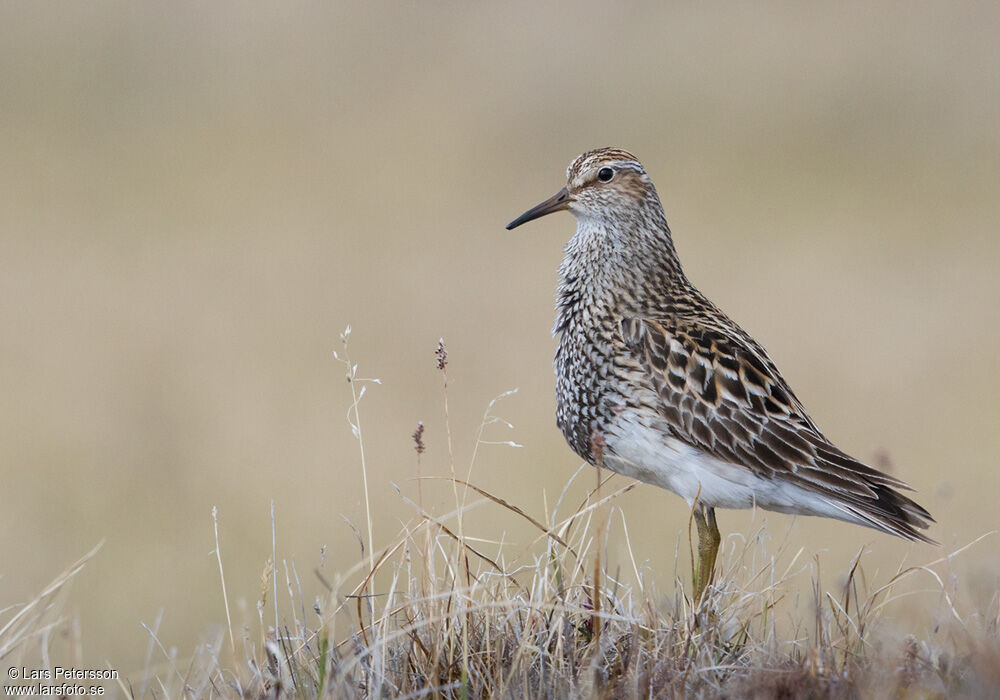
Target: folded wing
x=722, y=394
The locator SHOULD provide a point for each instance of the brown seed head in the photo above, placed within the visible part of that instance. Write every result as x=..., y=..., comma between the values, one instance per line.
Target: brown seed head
x=418, y=438
x=441, y=354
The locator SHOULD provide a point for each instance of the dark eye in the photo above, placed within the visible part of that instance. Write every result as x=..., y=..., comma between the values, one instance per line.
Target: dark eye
x=605, y=174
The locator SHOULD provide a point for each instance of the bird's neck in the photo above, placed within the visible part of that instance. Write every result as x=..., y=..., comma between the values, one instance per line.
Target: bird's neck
x=616, y=267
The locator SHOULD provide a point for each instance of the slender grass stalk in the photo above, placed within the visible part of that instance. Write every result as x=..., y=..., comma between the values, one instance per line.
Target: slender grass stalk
x=356, y=395
x=222, y=580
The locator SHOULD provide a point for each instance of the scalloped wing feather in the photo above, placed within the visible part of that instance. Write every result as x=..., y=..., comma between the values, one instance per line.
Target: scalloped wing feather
x=722, y=394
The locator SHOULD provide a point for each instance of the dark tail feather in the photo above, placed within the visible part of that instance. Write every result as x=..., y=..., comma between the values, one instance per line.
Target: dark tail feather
x=892, y=512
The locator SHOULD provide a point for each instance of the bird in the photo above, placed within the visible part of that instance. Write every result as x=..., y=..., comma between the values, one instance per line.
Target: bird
x=655, y=382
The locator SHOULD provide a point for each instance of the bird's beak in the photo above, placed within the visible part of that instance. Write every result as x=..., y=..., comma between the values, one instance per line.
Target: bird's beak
x=557, y=202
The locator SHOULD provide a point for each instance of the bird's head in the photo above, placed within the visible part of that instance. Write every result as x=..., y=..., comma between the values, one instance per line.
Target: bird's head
x=604, y=186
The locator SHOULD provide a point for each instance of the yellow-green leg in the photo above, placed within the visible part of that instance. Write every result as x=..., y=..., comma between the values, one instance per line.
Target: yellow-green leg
x=708, y=548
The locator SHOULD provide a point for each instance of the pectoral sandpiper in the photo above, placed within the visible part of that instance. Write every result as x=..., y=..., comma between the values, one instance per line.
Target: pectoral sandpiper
x=653, y=381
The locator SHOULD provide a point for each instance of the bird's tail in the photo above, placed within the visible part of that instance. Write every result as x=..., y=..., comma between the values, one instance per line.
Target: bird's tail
x=891, y=512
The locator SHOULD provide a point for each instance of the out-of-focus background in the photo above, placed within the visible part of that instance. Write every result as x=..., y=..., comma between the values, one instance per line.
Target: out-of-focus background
x=196, y=199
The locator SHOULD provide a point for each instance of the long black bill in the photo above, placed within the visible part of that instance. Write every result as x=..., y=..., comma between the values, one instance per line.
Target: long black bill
x=557, y=202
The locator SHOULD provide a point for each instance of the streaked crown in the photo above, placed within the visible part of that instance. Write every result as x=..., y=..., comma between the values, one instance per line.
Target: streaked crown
x=589, y=163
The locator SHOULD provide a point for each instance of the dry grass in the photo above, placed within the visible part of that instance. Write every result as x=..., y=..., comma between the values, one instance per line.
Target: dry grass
x=442, y=611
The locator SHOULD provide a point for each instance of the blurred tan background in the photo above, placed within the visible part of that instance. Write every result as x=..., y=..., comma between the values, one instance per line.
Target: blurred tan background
x=196, y=199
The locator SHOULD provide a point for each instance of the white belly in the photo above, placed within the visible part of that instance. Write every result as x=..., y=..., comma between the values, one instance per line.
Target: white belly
x=639, y=448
